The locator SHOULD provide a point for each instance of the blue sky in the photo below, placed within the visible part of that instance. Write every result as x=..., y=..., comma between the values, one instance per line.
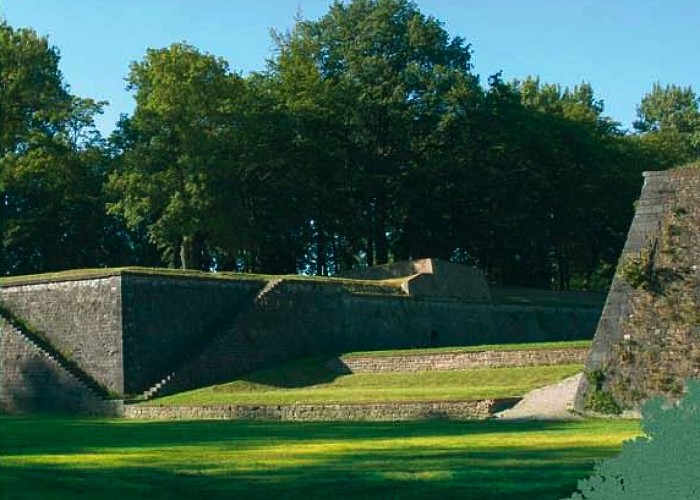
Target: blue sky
x=620, y=46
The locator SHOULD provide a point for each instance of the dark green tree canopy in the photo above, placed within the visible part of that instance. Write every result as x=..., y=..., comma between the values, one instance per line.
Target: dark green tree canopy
x=367, y=139
x=174, y=148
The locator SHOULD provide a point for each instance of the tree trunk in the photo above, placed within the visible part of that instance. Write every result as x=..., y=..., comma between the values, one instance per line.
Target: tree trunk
x=191, y=252
x=186, y=252
x=380, y=242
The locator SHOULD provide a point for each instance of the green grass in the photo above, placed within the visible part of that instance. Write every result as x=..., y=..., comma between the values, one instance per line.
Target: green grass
x=310, y=381
x=54, y=458
x=583, y=344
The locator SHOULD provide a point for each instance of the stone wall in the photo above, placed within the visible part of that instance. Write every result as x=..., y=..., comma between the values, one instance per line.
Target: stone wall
x=458, y=360
x=168, y=319
x=82, y=319
x=648, y=338
x=34, y=381
x=130, y=331
x=305, y=318
x=373, y=412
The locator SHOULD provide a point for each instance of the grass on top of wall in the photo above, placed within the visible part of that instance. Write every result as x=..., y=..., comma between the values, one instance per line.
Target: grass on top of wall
x=311, y=381
x=57, y=458
x=427, y=351
x=392, y=286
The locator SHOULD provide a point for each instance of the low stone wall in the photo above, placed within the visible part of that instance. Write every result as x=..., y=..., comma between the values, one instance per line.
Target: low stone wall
x=459, y=360
x=369, y=412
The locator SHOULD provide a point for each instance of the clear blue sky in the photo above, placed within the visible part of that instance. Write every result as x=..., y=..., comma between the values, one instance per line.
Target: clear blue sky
x=620, y=46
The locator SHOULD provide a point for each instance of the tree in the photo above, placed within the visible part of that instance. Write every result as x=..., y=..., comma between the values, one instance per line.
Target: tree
x=669, y=123
x=660, y=464
x=52, y=166
x=379, y=71
x=174, y=151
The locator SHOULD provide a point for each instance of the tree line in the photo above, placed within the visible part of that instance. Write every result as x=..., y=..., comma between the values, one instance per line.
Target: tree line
x=367, y=139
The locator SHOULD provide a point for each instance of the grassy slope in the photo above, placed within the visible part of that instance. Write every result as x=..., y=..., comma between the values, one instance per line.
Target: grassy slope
x=310, y=381
x=95, y=458
x=583, y=344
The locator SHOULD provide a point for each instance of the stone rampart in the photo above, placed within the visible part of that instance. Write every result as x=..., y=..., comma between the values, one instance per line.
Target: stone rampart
x=34, y=381
x=648, y=338
x=370, y=412
x=459, y=360
x=131, y=331
x=82, y=319
x=166, y=320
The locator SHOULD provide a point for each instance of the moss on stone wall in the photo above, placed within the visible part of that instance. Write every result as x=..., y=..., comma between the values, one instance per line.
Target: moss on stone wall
x=652, y=341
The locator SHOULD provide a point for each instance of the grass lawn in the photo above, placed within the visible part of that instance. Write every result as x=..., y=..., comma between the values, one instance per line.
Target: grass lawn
x=50, y=458
x=310, y=381
x=582, y=344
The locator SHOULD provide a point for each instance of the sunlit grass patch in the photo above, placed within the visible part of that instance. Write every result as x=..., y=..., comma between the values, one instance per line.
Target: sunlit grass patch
x=311, y=381
x=99, y=458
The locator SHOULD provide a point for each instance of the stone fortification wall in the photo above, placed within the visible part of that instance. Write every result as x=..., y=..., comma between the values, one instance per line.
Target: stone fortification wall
x=458, y=360
x=294, y=319
x=81, y=319
x=396, y=322
x=303, y=318
x=168, y=319
x=35, y=381
x=372, y=412
x=648, y=338
x=432, y=278
x=153, y=333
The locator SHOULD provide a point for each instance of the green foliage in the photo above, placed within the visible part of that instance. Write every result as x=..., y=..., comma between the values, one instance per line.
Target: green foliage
x=368, y=139
x=660, y=464
x=639, y=271
x=669, y=121
x=599, y=399
x=175, y=150
x=98, y=458
x=53, y=166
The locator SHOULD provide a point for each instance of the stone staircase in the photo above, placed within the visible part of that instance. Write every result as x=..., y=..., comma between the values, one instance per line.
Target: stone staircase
x=261, y=298
x=52, y=356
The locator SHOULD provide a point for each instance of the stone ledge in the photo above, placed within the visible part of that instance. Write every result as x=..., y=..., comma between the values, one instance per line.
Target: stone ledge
x=368, y=412
x=459, y=360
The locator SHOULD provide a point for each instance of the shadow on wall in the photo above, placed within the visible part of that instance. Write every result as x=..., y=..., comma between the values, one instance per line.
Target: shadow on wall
x=41, y=390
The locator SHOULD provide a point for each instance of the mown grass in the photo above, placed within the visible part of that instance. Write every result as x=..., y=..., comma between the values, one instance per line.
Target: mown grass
x=55, y=458
x=311, y=381
x=581, y=344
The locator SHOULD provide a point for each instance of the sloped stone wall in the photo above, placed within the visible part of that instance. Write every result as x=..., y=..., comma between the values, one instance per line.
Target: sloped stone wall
x=648, y=338
x=167, y=319
x=82, y=319
x=33, y=381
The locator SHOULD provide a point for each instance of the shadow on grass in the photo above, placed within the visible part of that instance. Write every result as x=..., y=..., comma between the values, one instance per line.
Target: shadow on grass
x=39, y=435
x=297, y=373
x=438, y=473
